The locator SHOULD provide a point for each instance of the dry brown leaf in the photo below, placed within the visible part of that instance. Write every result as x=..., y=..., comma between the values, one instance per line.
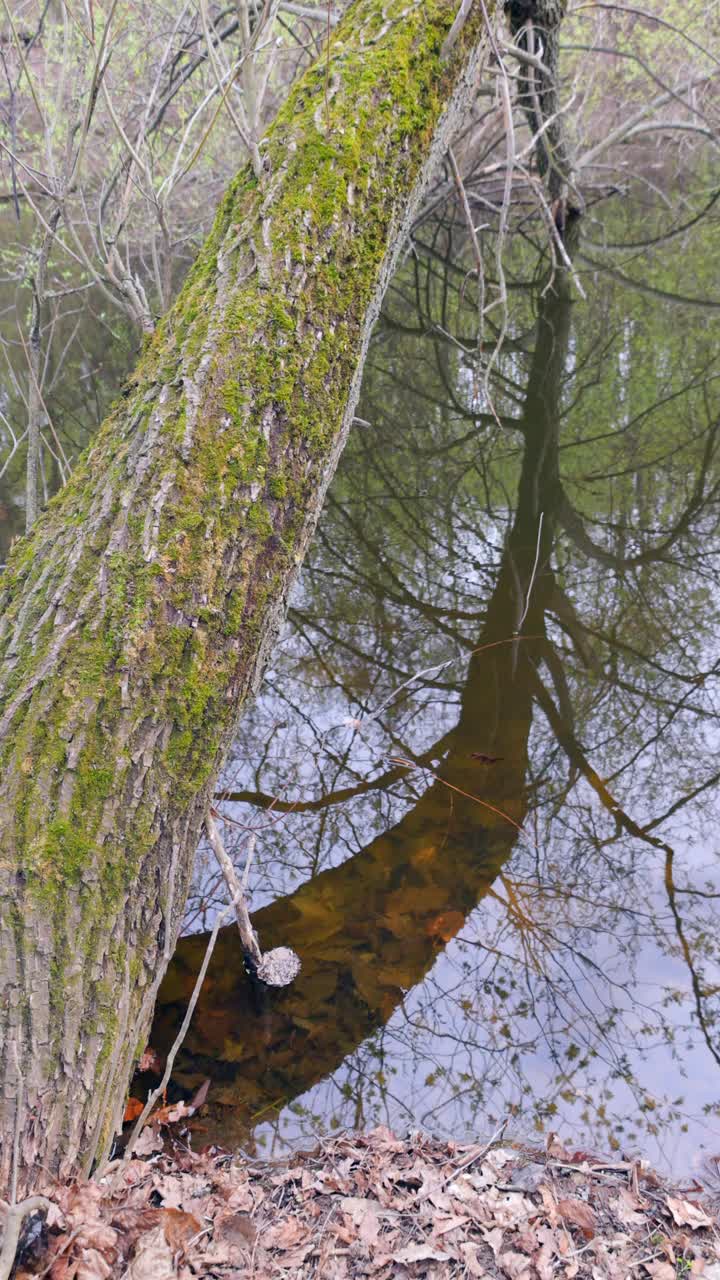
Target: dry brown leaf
x=473, y=1265
x=241, y=1198
x=526, y=1241
x=153, y=1258
x=543, y=1260
x=506, y=1208
x=516, y=1265
x=578, y=1214
x=444, y=1225
x=555, y=1148
x=199, y=1098
x=543, y=1263
x=172, y=1189
x=79, y=1202
x=97, y=1235
x=285, y=1235
x=365, y=1216
x=549, y=1203
x=421, y=1253
x=384, y=1139
x=660, y=1270
x=63, y=1268
x=237, y=1229
x=179, y=1228
x=93, y=1265
x=171, y=1114
x=294, y=1258
x=133, y=1108
x=494, y=1237
x=627, y=1208
x=688, y=1214
x=563, y=1243
x=148, y=1142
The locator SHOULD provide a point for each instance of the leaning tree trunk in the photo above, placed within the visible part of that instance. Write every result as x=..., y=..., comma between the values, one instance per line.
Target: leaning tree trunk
x=137, y=618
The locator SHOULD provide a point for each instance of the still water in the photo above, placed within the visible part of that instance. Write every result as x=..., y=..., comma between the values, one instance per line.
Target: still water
x=483, y=767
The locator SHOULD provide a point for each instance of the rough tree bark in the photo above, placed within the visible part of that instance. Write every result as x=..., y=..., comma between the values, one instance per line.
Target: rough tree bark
x=135, y=621
x=535, y=27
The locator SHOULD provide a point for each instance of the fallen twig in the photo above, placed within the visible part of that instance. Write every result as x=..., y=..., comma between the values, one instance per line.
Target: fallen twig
x=276, y=968
x=158, y=1093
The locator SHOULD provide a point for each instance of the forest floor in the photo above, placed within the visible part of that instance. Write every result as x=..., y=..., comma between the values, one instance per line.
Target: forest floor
x=378, y=1206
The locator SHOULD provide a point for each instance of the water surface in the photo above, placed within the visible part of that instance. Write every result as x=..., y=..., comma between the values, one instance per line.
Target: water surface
x=514, y=594
x=483, y=768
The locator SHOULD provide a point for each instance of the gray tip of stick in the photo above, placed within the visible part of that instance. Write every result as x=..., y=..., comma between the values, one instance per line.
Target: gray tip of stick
x=279, y=967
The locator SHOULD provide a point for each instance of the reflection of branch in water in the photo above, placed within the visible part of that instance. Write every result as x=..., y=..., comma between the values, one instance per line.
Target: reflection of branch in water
x=575, y=753
x=383, y=780
x=408, y=764
x=640, y=286
x=574, y=524
x=687, y=956
x=680, y=804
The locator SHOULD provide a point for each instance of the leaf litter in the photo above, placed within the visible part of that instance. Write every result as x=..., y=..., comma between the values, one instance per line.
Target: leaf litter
x=374, y=1205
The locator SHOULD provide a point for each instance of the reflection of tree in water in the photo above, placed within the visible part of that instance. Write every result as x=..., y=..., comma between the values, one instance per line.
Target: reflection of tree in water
x=592, y=948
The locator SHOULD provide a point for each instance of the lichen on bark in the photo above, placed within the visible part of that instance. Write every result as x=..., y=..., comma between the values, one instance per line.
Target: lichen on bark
x=136, y=619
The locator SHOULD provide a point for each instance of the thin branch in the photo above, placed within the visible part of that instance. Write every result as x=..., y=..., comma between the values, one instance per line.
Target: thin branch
x=248, y=936
x=159, y=1091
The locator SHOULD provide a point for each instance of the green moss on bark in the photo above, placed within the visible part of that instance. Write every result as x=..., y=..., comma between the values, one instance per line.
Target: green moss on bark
x=133, y=621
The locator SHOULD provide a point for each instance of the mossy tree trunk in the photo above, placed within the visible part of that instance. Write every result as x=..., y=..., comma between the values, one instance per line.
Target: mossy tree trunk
x=136, y=619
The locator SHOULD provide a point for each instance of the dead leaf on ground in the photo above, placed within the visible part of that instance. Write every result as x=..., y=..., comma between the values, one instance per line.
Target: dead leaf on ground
x=372, y=1205
x=555, y=1149
x=420, y=1253
x=172, y=1113
x=153, y=1258
x=236, y=1229
x=517, y=1266
x=444, y=1225
x=365, y=1216
x=471, y=1258
x=549, y=1203
x=660, y=1270
x=627, y=1208
x=494, y=1237
x=93, y=1265
x=687, y=1214
x=578, y=1214
x=286, y=1234
x=97, y=1235
x=148, y=1143
x=179, y=1228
